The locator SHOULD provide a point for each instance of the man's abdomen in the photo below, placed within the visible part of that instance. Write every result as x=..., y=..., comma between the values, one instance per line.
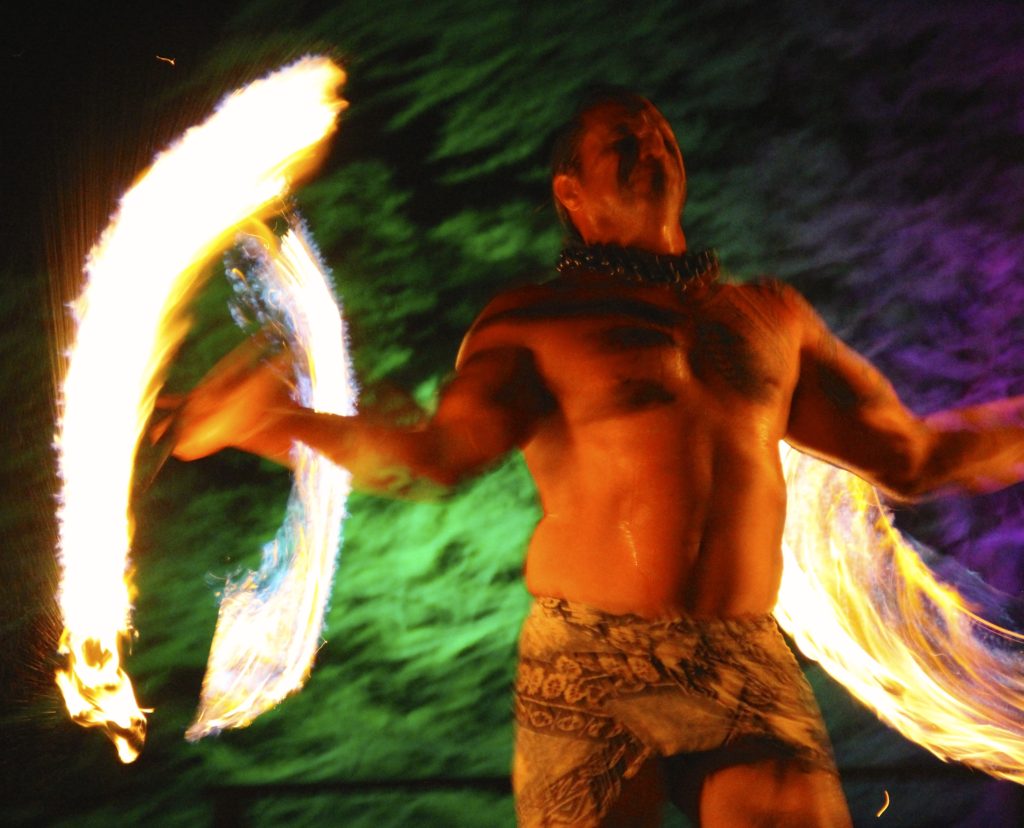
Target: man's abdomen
x=664, y=547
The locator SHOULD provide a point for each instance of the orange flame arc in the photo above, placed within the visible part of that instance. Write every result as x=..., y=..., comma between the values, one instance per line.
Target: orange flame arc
x=857, y=597
x=129, y=322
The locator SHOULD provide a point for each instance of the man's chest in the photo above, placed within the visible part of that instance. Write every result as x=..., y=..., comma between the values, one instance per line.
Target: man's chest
x=636, y=356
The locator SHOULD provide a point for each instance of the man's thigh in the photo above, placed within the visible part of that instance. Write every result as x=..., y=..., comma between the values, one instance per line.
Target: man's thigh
x=641, y=800
x=755, y=788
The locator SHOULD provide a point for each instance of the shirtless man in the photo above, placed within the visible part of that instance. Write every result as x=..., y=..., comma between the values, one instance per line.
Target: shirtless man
x=649, y=402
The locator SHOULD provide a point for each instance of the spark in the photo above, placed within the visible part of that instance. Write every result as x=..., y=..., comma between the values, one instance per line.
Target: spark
x=885, y=805
x=858, y=597
x=165, y=59
x=149, y=262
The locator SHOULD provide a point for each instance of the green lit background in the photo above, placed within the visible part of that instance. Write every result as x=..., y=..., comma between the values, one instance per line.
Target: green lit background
x=869, y=153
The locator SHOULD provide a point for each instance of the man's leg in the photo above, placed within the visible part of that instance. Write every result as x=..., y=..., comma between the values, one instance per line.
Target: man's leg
x=754, y=785
x=780, y=793
x=566, y=782
x=641, y=800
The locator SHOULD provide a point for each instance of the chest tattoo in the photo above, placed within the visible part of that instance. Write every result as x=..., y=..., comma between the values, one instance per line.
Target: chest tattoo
x=743, y=348
x=628, y=337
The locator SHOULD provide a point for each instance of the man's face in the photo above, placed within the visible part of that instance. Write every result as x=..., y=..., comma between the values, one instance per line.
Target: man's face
x=630, y=163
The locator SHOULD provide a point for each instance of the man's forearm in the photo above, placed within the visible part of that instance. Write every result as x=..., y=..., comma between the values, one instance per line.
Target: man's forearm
x=975, y=449
x=389, y=460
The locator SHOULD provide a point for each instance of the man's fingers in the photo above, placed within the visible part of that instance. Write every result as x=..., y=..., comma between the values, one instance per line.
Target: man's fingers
x=169, y=402
x=245, y=356
x=253, y=358
x=229, y=402
x=159, y=429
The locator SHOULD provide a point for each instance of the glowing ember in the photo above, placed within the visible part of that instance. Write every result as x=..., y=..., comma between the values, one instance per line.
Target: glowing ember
x=885, y=805
x=145, y=266
x=268, y=629
x=857, y=597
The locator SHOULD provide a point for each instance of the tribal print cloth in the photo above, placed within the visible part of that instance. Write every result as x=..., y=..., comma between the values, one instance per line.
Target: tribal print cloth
x=598, y=694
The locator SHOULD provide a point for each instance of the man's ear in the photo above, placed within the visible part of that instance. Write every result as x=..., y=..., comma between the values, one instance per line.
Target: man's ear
x=567, y=190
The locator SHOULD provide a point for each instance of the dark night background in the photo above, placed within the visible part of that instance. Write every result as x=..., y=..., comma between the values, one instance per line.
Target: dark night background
x=869, y=153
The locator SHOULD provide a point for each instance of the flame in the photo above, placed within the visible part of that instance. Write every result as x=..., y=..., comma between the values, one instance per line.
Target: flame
x=268, y=628
x=857, y=597
x=146, y=265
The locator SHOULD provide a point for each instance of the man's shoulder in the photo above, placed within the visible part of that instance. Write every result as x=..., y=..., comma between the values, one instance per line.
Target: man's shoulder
x=772, y=294
x=494, y=326
x=769, y=305
x=766, y=288
x=516, y=298
x=520, y=304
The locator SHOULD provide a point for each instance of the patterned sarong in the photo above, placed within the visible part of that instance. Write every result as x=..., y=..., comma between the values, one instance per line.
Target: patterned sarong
x=598, y=694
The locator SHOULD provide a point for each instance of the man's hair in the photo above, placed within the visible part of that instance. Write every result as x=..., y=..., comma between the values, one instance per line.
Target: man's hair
x=565, y=147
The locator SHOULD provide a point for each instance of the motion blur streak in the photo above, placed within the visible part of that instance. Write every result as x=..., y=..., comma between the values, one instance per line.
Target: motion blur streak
x=268, y=628
x=129, y=321
x=857, y=597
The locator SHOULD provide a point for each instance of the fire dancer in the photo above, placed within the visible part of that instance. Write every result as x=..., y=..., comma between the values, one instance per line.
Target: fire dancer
x=649, y=400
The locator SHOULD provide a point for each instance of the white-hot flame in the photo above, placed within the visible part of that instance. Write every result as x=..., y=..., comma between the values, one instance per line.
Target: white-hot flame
x=129, y=321
x=857, y=597
x=269, y=625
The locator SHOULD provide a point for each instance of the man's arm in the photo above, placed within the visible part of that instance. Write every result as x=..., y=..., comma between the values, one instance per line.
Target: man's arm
x=844, y=411
x=491, y=406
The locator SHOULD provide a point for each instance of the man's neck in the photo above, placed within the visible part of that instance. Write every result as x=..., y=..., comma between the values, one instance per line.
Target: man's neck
x=665, y=241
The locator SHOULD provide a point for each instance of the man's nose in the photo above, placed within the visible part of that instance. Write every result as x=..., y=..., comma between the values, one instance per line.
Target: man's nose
x=648, y=136
x=650, y=139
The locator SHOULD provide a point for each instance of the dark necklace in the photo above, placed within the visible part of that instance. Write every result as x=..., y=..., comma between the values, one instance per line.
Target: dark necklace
x=688, y=272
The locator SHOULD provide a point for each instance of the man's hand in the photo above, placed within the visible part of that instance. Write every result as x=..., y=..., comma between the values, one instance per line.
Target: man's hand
x=236, y=403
